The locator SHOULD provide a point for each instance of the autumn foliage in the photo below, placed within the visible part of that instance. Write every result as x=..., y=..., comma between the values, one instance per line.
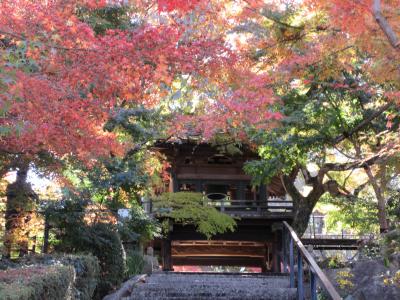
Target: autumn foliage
x=61, y=81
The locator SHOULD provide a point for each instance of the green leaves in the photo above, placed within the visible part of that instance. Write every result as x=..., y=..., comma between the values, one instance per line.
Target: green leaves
x=139, y=123
x=312, y=121
x=188, y=208
x=109, y=17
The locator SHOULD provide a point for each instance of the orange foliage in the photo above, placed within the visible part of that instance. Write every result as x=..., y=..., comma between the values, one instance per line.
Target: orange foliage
x=80, y=77
x=62, y=106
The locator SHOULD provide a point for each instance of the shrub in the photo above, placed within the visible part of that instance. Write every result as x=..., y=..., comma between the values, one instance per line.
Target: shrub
x=345, y=280
x=86, y=267
x=103, y=241
x=87, y=271
x=335, y=262
x=138, y=227
x=189, y=208
x=390, y=243
x=134, y=263
x=37, y=283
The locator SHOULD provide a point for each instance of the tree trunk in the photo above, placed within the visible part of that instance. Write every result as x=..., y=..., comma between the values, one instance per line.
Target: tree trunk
x=302, y=213
x=303, y=206
x=382, y=216
x=19, y=210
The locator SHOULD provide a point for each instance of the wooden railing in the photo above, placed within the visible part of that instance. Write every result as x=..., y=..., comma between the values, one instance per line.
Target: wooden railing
x=241, y=208
x=341, y=236
x=315, y=271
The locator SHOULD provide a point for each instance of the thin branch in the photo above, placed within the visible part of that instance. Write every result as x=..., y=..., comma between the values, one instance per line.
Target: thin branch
x=354, y=164
x=343, y=153
x=268, y=16
x=348, y=177
x=362, y=124
x=384, y=24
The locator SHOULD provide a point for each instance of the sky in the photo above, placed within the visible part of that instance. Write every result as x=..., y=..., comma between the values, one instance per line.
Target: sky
x=39, y=184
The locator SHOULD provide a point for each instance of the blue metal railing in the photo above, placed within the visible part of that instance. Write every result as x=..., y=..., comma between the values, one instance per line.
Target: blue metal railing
x=315, y=270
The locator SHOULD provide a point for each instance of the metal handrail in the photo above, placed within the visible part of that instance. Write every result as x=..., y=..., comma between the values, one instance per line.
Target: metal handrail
x=314, y=268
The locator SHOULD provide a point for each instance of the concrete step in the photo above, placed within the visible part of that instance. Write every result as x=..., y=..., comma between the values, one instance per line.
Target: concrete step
x=198, y=283
x=200, y=286
x=271, y=294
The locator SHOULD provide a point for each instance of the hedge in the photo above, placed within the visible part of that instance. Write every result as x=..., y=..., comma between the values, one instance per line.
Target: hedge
x=81, y=285
x=37, y=283
x=87, y=272
x=104, y=242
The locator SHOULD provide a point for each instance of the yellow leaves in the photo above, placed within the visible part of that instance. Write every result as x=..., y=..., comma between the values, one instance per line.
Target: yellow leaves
x=344, y=279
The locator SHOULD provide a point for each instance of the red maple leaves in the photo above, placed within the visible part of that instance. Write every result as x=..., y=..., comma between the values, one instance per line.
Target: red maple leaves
x=180, y=5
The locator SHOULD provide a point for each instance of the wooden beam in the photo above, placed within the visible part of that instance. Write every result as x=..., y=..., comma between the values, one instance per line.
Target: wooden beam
x=218, y=261
x=218, y=243
x=211, y=176
x=207, y=251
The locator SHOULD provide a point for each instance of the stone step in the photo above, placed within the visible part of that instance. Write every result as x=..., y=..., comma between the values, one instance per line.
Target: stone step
x=243, y=277
x=220, y=275
x=223, y=278
x=217, y=277
x=199, y=286
x=248, y=285
x=270, y=294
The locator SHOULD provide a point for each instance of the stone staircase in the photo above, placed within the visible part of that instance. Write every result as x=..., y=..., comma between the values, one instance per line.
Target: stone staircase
x=199, y=286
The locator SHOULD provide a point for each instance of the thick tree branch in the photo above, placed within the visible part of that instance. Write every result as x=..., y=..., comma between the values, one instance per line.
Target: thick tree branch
x=384, y=24
x=358, y=164
x=288, y=181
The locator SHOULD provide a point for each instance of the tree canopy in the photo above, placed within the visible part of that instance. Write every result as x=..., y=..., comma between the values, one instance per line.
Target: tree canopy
x=86, y=86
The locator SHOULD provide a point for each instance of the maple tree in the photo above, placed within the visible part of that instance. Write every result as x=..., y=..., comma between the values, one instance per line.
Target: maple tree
x=305, y=45
x=62, y=80
x=308, y=46
x=69, y=67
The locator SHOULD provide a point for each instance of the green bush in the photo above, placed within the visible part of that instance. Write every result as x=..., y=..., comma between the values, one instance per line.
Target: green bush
x=134, y=263
x=87, y=272
x=189, y=208
x=391, y=243
x=138, y=227
x=37, y=283
x=104, y=242
x=86, y=267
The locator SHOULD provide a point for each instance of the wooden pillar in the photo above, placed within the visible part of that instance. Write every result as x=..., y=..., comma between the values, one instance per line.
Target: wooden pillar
x=264, y=267
x=263, y=192
x=275, y=254
x=241, y=190
x=34, y=240
x=171, y=182
x=45, y=248
x=166, y=249
x=166, y=254
x=284, y=251
x=175, y=184
x=198, y=186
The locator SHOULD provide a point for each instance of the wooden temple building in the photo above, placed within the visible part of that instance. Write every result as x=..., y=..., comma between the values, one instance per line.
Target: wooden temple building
x=257, y=240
